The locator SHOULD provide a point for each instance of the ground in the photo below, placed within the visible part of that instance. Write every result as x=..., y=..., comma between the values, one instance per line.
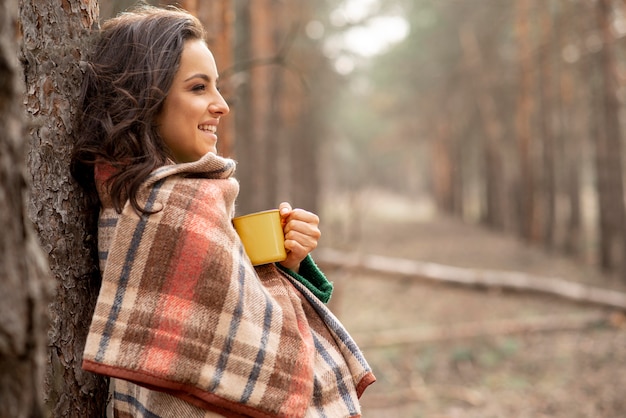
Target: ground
x=471, y=360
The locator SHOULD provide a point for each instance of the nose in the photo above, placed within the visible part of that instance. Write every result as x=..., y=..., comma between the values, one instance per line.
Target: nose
x=218, y=106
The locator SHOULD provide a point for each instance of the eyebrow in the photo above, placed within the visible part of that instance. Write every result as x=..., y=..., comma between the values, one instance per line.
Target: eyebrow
x=199, y=75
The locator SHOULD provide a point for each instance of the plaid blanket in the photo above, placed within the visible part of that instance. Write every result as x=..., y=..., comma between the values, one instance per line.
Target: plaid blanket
x=181, y=310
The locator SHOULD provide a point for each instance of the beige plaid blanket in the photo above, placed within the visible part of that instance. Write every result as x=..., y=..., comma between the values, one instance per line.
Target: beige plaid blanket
x=181, y=309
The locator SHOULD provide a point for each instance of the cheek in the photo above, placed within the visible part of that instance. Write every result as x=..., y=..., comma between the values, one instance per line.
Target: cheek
x=181, y=114
x=171, y=117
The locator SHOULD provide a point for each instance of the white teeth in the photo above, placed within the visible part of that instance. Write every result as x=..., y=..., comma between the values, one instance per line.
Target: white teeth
x=208, y=128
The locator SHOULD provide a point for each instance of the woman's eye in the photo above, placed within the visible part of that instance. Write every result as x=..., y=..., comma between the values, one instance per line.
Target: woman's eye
x=199, y=87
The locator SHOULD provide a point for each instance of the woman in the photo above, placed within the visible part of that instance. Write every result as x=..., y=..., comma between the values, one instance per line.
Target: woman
x=184, y=324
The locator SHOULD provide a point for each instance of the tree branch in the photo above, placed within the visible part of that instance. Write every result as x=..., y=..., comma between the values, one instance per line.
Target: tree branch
x=578, y=292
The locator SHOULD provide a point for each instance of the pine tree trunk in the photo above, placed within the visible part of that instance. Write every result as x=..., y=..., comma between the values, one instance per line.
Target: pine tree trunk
x=443, y=167
x=254, y=105
x=547, y=101
x=572, y=142
x=54, y=39
x=523, y=124
x=610, y=153
x=495, y=201
x=245, y=145
x=25, y=284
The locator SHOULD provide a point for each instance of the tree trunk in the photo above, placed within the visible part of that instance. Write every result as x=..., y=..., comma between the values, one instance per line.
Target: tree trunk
x=443, y=167
x=305, y=98
x=495, y=203
x=26, y=285
x=610, y=151
x=54, y=41
x=546, y=115
x=304, y=142
x=523, y=124
x=568, y=141
x=256, y=123
x=572, y=118
x=275, y=145
x=249, y=152
x=273, y=22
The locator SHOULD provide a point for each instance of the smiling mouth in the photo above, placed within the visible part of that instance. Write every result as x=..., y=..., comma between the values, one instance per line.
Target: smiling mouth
x=208, y=128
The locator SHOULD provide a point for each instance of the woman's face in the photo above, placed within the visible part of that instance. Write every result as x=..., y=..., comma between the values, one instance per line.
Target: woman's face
x=193, y=107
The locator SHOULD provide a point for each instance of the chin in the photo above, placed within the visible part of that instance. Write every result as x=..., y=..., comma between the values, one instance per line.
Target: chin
x=209, y=151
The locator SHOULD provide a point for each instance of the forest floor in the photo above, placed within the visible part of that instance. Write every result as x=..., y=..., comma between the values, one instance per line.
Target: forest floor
x=507, y=364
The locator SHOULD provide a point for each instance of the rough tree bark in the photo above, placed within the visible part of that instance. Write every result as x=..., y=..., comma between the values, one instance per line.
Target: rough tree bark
x=25, y=283
x=54, y=40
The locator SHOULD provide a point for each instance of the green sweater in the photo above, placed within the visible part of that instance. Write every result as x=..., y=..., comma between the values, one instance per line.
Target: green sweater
x=312, y=277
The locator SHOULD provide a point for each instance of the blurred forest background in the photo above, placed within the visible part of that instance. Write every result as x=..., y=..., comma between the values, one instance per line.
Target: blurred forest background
x=502, y=113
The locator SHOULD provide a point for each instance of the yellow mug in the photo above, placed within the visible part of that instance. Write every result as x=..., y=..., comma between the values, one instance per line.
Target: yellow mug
x=262, y=236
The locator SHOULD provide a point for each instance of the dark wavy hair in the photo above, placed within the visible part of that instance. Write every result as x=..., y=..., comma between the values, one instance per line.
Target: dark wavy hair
x=127, y=78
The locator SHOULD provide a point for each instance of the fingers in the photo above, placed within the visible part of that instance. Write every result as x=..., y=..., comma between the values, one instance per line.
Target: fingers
x=301, y=237
x=284, y=209
x=302, y=233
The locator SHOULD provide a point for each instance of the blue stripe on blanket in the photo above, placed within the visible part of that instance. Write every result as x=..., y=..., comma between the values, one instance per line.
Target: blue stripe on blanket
x=331, y=322
x=260, y=355
x=232, y=331
x=135, y=404
x=345, y=393
x=128, y=263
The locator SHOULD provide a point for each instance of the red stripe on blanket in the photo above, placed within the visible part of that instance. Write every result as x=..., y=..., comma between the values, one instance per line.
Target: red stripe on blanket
x=301, y=383
x=177, y=293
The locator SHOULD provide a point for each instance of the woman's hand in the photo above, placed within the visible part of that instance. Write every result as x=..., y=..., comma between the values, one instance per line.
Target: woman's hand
x=301, y=234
